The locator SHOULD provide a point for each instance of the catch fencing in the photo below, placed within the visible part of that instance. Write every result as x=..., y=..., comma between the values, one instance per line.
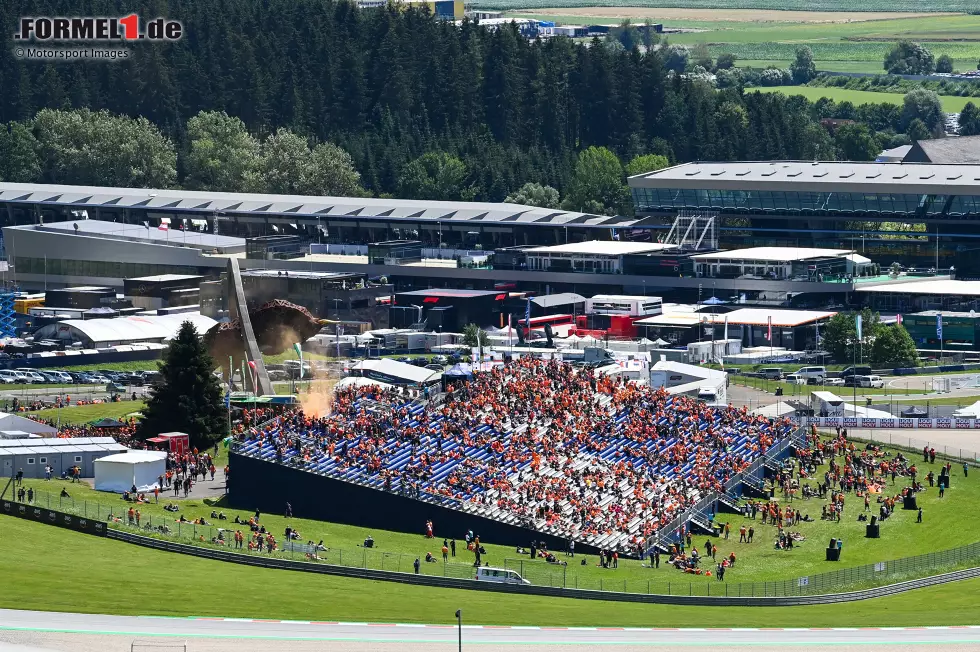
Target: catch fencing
x=565, y=573
x=449, y=582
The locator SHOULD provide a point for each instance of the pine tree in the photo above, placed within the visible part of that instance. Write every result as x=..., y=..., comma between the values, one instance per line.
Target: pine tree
x=189, y=399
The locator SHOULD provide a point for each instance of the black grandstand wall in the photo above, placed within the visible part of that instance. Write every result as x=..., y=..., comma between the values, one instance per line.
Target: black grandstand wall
x=267, y=486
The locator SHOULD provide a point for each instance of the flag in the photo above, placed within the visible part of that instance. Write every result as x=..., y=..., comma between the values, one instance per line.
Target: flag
x=939, y=325
x=898, y=319
x=299, y=352
x=164, y=226
x=231, y=373
x=726, y=327
x=769, y=333
x=857, y=326
x=527, y=316
x=509, y=320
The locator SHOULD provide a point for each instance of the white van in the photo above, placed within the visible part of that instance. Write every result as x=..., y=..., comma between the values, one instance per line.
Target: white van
x=62, y=376
x=500, y=575
x=870, y=381
x=816, y=374
x=22, y=377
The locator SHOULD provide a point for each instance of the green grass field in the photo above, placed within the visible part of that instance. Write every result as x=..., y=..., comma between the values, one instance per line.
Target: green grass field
x=80, y=414
x=91, y=571
x=855, y=46
x=943, y=528
x=950, y=103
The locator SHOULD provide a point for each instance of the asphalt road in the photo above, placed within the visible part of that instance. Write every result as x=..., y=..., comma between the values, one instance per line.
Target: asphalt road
x=45, y=629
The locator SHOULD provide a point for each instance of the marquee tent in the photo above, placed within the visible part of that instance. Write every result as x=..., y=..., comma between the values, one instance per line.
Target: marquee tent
x=14, y=422
x=120, y=472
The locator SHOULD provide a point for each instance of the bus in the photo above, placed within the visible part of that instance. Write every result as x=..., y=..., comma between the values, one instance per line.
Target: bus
x=556, y=322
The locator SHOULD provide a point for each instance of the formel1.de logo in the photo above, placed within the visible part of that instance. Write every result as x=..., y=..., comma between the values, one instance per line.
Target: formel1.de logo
x=104, y=29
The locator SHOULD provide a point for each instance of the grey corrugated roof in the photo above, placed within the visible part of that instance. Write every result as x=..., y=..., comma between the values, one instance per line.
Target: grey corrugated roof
x=202, y=202
x=834, y=176
x=559, y=299
x=965, y=149
x=101, y=228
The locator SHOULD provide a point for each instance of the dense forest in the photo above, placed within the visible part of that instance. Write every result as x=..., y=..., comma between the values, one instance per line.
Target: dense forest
x=389, y=86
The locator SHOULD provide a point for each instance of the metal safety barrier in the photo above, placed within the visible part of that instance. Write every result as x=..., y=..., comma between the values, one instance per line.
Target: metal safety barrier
x=455, y=583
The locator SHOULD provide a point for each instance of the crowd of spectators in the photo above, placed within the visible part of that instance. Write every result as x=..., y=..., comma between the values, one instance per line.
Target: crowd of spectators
x=599, y=459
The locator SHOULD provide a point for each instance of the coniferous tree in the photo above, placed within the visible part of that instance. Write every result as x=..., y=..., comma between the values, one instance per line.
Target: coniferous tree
x=189, y=398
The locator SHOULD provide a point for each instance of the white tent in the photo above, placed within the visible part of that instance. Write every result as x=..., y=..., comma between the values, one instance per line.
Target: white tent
x=360, y=381
x=968, y=412
x=13, y=422
x=120, y=472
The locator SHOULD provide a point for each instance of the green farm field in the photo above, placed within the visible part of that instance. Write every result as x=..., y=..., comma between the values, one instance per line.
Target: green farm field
x=950, y=103
x=841, y=41
x=91, y=570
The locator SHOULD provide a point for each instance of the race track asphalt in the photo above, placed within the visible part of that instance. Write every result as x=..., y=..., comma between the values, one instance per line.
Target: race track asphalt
x=99, y=633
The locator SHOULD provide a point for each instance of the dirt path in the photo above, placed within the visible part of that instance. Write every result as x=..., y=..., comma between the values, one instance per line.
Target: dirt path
x=728, y=15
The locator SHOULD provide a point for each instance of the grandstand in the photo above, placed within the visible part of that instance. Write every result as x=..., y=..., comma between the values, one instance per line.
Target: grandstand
x=539, y=445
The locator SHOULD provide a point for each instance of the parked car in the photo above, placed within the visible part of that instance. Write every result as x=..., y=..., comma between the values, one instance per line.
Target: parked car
x=857, y=370
x=772, y=373
x=49, y=377
x=31, y=375
x=11, y=377
x=816, y=373
x=99, y=379
x=871, y=381
x=795, y=379
x=834, y=382
x=61, y=376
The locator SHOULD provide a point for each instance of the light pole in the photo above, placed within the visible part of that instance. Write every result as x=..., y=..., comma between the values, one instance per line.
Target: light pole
x=459, y=627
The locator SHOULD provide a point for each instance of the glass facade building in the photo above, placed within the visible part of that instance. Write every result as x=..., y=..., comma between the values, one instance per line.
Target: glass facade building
x=891, y=212
x=837, y=204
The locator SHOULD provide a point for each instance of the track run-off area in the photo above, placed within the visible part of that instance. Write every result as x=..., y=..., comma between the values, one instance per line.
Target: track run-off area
x=41, y=628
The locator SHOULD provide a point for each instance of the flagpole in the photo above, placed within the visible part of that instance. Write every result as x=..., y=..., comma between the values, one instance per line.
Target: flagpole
x=231, y=374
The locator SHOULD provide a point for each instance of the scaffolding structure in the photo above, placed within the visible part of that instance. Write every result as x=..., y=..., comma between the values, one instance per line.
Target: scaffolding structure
x=7, y=313
x=694, y=231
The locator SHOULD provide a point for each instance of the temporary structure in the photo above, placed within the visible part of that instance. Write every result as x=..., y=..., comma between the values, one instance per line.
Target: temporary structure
x=123, y=471
x=15, y=422
x=968, y=412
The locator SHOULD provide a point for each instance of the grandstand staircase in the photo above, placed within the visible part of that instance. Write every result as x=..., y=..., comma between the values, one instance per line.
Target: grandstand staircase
x=728, y=504
x=754, y=488
x=699, y=524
